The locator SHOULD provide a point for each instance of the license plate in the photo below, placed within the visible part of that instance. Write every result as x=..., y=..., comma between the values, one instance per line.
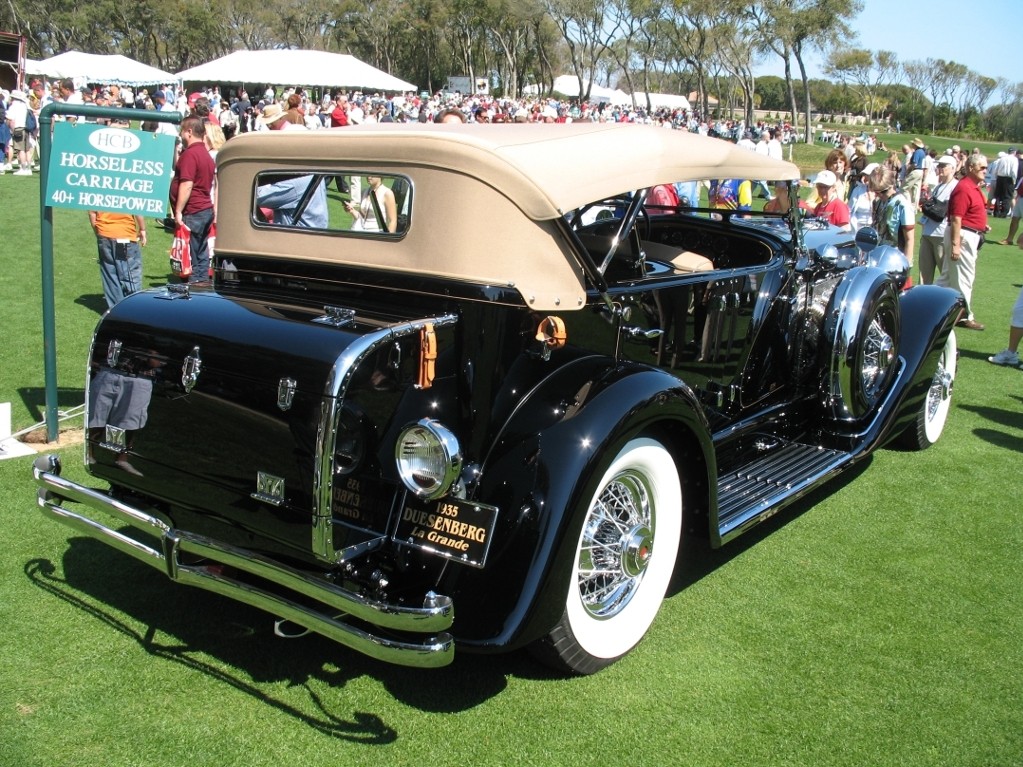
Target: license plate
x=452, y=528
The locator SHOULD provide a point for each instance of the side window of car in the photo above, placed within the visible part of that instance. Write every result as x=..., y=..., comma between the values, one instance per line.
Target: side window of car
x=357, y=203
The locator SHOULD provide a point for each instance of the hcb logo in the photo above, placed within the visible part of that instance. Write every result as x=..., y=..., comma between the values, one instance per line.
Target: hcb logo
x=114, y=141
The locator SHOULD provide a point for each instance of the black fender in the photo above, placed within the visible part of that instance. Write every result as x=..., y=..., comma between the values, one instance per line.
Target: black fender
x=929, y=314
x=551, y=453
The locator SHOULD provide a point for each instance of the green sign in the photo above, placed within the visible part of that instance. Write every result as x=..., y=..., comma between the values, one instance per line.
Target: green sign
x=96, y=167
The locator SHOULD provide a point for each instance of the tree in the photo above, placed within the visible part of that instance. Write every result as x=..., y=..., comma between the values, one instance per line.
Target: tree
x=771, y=93
x=945, y=78
x=916, y=74
x=688, y=26
x=865, y=72
x=736, y=43
x=519, y=31
x=974, y=93
x=584, y=29
x=791, y=28
x=637, y=42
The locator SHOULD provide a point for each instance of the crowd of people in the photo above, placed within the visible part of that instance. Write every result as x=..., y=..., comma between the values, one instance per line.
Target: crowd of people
x=950, y=195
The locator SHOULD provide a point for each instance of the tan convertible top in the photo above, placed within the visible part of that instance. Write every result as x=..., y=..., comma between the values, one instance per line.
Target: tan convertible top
x=486, y=199
x=546, y=169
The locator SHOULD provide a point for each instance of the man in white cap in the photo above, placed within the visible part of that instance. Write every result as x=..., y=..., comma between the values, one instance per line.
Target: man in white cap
x=17, y=114
x=1004, y=170
x=967, y=225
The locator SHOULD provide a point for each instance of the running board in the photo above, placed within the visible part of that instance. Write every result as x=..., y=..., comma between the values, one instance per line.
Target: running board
x=758, y=490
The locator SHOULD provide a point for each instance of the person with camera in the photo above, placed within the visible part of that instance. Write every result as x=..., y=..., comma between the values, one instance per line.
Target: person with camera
x=935, y=220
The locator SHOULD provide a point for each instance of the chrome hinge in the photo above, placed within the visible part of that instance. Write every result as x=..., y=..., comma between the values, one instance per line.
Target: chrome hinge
x=115, y=439
x=177, y=290
x=113, y=353
x=190, y=370
x=338, y=316
x=286, y=392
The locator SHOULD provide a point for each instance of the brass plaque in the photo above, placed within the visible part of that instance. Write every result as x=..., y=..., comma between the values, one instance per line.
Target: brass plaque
x=459, y=530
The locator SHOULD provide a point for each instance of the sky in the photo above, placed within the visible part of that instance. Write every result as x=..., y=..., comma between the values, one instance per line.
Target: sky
x=941, y=29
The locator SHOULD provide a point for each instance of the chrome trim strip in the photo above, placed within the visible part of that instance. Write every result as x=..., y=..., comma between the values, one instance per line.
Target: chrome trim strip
x=330, y=414
x=436, y=648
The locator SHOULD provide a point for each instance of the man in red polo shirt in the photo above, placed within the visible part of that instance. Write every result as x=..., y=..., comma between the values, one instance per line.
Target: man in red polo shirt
x=967, y=223
x=191, y=194
x=339, y=116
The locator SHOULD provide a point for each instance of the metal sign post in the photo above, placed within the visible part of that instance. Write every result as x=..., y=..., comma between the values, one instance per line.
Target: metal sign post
x=46, y=232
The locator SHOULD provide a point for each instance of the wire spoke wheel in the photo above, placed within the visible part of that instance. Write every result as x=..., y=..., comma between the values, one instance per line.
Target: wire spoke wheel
x=930, y=420
x=616, y=546
x=624, y=560
x=878, y=356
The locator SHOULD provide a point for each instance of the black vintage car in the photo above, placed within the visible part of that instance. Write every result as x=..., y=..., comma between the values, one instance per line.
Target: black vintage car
x=477, y=399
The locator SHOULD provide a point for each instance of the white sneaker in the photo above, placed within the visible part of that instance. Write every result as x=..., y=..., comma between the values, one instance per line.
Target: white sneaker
x=1005, y=357
x=23, y=172
x=8, y=167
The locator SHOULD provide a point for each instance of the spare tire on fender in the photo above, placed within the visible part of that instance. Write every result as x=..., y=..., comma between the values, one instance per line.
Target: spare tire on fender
x=863, y=326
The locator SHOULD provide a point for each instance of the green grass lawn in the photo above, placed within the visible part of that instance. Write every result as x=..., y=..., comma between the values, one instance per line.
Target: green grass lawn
x=877, y=622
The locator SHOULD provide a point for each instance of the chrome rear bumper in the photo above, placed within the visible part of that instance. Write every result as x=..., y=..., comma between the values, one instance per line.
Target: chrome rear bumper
x=432, y=619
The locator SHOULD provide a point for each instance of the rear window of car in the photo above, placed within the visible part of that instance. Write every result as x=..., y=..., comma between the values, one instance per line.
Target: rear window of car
x=361, y=204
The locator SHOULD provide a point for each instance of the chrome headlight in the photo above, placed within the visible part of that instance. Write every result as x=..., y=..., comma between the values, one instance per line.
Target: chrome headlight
x=429, y=458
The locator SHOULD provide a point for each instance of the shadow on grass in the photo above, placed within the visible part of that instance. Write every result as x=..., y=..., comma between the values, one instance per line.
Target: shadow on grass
x=1006, y=419
x=973, y=354
x=234, y=643
x=93, y=301
x=34, y=399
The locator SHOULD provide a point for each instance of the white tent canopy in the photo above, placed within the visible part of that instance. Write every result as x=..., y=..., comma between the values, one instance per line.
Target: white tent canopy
x=657, y=100
x=569, y=85
x=98, y=68
x=295, y=67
